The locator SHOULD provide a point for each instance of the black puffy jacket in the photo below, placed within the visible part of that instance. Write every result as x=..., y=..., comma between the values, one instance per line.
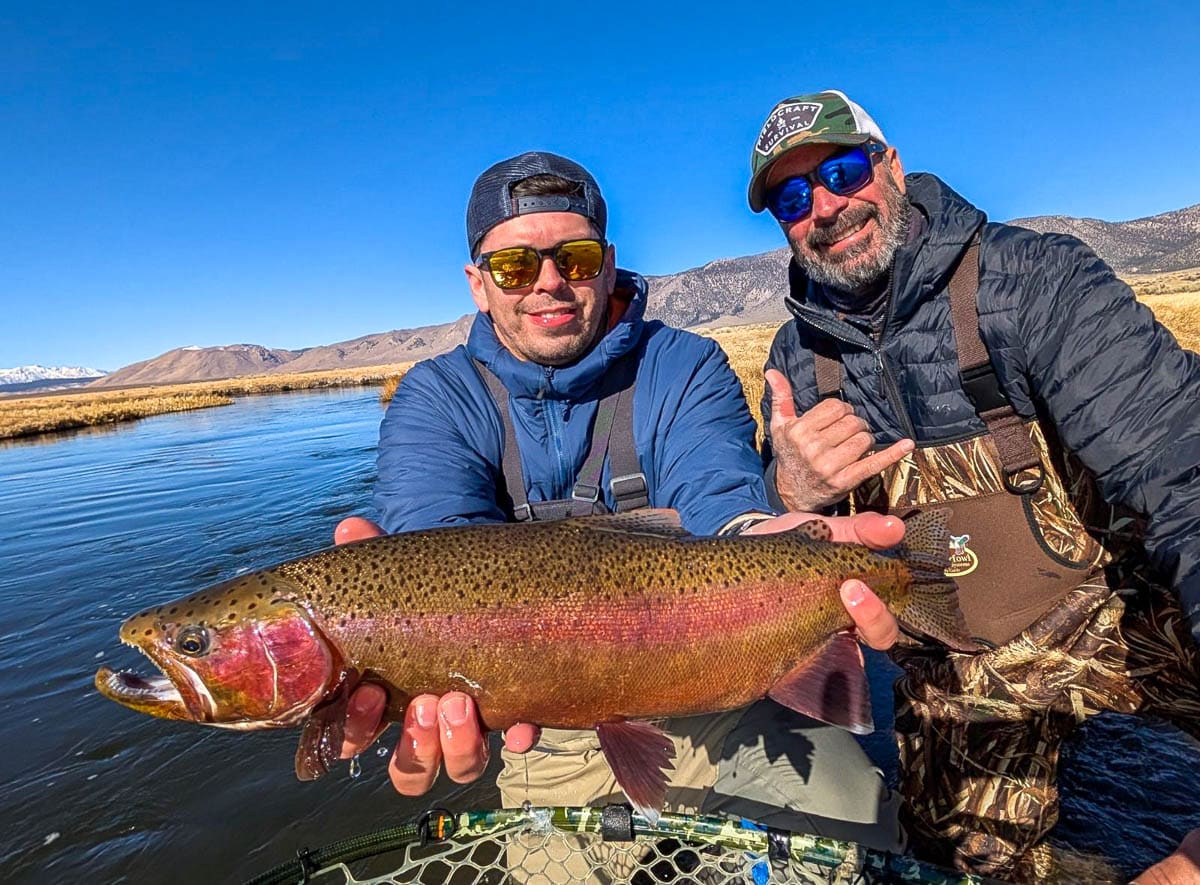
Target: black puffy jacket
x=1069, y=342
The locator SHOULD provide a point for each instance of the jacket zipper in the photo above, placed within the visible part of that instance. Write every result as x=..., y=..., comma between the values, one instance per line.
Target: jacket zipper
x=890, y=388
x=554, y=427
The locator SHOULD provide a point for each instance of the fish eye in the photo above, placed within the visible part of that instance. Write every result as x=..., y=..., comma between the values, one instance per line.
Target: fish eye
x=192, y=641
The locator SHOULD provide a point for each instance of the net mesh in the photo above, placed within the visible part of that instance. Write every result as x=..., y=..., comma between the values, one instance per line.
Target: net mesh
x=550, y=846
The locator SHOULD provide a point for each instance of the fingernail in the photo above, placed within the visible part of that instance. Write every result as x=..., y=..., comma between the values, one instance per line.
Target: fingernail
x=454, y=711
x=426, y=715
x=854, y=594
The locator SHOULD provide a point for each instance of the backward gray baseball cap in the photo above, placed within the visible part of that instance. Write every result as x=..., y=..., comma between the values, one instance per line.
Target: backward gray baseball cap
x=492, y=201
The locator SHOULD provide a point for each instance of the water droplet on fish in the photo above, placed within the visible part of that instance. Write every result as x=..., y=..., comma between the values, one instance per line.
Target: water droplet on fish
x=355, y=767
x=381, y=752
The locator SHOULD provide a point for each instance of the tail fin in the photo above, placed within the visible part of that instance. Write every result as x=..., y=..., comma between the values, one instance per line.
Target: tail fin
x=933, y=607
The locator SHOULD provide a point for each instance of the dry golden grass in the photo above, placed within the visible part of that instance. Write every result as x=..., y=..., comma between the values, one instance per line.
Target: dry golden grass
x=746, y=347
x=1175, y=299
x=28, y=416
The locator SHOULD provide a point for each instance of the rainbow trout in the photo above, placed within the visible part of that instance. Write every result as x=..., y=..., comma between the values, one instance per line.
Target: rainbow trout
x=599, y=621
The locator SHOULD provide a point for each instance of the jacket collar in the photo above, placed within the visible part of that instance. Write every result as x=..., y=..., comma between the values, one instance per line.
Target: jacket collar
x=579, y=380
x=921, y=267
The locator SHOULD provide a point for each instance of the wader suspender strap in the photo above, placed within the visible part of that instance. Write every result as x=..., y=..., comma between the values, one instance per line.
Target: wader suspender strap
x=829, y=373
x=980, y=383
x=978, y=378
x=614, y=415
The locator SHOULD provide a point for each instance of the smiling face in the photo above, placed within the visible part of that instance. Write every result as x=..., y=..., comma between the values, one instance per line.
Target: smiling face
x=846, y=242
x=552, y=321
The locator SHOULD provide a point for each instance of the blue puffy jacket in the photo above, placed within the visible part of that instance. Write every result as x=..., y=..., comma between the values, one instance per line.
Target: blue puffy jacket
x=1069, y=342
x=441, y=442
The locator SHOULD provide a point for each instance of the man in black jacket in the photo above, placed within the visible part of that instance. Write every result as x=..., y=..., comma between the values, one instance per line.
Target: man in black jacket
x=937, y=359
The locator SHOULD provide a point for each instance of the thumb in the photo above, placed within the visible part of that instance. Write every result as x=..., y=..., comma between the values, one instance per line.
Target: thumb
x=355, y=528
x=782, y=404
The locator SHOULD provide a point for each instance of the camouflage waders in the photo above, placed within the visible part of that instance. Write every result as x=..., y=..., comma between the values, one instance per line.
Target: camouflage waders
x=1055, y=581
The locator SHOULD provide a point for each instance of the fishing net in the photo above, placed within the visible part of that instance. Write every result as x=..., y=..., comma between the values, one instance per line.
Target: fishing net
x=547, y=846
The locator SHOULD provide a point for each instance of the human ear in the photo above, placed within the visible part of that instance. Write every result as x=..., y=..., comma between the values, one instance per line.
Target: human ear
x=478, y=287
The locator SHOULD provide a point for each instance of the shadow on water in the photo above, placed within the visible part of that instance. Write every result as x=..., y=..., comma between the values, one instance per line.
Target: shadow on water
x=99, y=524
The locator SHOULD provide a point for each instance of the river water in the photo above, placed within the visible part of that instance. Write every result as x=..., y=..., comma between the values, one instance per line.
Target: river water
x=97, y=525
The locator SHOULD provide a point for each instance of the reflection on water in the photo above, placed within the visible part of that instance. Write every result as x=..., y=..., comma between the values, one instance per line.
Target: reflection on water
x=101, y=523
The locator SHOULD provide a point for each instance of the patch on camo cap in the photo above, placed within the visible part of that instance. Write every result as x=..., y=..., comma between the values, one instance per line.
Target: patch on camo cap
x=788, y=118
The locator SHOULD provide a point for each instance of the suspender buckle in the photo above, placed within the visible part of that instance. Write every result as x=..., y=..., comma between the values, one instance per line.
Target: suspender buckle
x=523, y=513
x=629, y=491
x=585, y=492
x=983, y=388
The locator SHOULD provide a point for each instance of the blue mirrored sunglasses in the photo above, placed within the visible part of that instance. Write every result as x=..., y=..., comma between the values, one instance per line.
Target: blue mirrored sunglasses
x=843, y=173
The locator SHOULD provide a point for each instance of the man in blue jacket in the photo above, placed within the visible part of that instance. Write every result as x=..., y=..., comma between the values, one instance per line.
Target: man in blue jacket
x=528, y=420
x=1011, y=376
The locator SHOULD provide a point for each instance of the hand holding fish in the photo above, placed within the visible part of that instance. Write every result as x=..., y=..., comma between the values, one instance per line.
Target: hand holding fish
x=823, y=454
x=875, y=625
x=447, y=730
x=435, y=730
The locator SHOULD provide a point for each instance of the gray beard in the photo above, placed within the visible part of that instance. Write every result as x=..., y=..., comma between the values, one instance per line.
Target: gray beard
x=844, y=273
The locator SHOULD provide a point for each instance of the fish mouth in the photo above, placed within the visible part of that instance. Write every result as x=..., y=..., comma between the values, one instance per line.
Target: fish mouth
x=164, y=695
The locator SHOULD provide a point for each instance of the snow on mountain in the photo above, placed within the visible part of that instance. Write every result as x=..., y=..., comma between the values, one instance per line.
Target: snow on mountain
x=25, y=374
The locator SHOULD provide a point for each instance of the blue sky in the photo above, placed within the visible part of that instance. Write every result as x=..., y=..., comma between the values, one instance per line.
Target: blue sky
x=297, y=174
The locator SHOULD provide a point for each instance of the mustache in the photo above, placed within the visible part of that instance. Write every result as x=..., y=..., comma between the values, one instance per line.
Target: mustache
x=847, y=221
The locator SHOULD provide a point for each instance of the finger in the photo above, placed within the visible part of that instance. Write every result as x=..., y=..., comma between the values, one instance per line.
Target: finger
x=521, y=737
x=414, y=766
x=875, y=530
x=876, y=625
x=873, y=465
x=782, y=404
x=825, y=415
x=830, y=459
x=355, y=528
x=464, y=748
x=363, y=715
x=839, y=424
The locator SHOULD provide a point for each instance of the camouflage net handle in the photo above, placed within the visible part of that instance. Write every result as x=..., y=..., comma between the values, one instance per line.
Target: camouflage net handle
x=472, y=846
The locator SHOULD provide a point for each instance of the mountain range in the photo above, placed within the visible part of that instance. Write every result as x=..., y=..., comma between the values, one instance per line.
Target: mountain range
x=30, y=378
x=727, y=291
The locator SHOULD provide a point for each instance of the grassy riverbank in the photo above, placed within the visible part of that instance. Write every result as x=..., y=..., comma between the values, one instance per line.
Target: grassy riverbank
x=22, y=416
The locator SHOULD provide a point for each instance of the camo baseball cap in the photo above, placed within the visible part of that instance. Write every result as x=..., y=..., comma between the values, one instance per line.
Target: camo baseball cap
x=827, y=117
x=492, y=201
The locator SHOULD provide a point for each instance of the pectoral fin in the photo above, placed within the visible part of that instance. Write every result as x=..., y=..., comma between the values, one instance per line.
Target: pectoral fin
x=831, y=686
x=639, y=755
x=321, y=740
